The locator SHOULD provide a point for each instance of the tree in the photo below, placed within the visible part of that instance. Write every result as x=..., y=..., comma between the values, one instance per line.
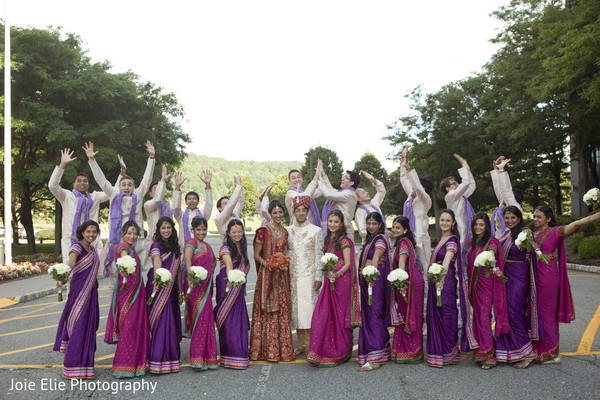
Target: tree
x=250, y=194
x=61, y=99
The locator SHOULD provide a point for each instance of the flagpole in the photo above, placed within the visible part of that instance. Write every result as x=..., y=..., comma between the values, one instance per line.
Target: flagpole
x=7, y=143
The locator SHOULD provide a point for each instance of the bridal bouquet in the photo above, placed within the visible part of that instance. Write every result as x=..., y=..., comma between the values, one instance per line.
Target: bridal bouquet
x=398, y=280
x=236, y=277
x=487, y=259
x=329, y=261
x=371, y=274
x=525, y=242
x=162, y=277
x=437, y=273
x=127, y=267
x=60, y=273
x=591, y=197
x=276, y=263
x=197, y=275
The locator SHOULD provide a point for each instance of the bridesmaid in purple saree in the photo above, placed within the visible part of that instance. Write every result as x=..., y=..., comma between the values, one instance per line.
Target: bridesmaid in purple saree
x=373, y=335
x=556, y=302
x=76, y=334
x=520, y=268
x=442, y=321
x=164, y=316
x=486, y=290
x=337, y=311
x=127, y=324
x=407, y=346
x=199, y=317
x=231, y=314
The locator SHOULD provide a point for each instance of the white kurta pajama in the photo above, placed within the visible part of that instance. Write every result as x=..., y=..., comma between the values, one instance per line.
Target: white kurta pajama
x=455, y=202
x=421, y=205
x=344, y=200
x=178, y=213
x=361, y=213
x=235, y=206
x=152, y=208
x=504, y=194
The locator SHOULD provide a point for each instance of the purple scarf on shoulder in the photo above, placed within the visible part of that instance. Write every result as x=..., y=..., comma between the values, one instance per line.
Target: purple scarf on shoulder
x=377, y=210
x=469, y=214
x=314, y=209
x=165, y=210
x=187, y=233
x=498, y=214
x=84, y=204
x=115, y=223
x=326, y=210
x=408, y=212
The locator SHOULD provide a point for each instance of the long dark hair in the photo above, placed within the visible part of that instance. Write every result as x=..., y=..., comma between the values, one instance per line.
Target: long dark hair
x=172, y=243
x=402, y=220
x=547, y=211
x=514, y=232
x=274, y=204
x=341, y=231
x=129, y=224
x=454, y=229
x=487, y=234
x=377, y=217
x=197, y=221
x=233, y=251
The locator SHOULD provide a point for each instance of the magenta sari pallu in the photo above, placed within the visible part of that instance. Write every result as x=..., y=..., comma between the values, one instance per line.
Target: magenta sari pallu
x=407, y=346
x=485, y=293
x=127, y=324
x=231, y=317
x=164, y=317
x=373, y=335
x=555, y=299
x=199, y=317
x=524, y=325
x=336, y=313
x=76, y=334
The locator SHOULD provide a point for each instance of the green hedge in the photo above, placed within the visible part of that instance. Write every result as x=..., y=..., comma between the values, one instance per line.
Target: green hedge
x=45, y=234
x=589, y=247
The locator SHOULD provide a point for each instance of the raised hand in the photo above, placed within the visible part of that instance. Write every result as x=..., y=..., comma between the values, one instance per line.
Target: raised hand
x=368, y=176
x=206, y=177
x=150, y=148
x=497, y=162
x=66, y=156
x=503, y=164
x=404, y=157
x=462, y=161
x=89, y=150
x=164, y=175
x=237, y=180
x=179, y=180
x=122, y=164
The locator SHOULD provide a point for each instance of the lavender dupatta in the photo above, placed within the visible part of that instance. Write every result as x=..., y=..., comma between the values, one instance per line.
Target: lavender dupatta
x=377, y=210
x=115, y=223
x=165, y=210
x=187, y=234
x=84, y=204
x=326, y=210
x=497, y=214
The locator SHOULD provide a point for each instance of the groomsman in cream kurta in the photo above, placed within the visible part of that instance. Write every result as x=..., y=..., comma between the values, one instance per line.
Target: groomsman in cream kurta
x=230, y=207
x=504, y=193
x=295, y=179
x=192, y=199
x=156, y=207
x=305, y=245
x=367, y=205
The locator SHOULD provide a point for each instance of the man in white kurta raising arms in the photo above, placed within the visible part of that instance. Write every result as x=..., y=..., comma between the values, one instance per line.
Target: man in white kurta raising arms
x=230, y=207
x=156, y=207
x=305, y=245
x=295, y=179
x=192, y=199
x=367, y=205
x=504, y=193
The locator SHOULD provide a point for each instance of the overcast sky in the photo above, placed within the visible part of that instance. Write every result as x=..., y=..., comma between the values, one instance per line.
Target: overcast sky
x=266, y=80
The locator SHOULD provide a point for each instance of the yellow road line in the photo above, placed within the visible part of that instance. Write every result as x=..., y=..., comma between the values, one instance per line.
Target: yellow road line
x=43, y=304
x=34, y=329
x=587, y=276
x=35, y=347
x=39, y=315
x=104, y=357
x=587, y=339
x=6, y=302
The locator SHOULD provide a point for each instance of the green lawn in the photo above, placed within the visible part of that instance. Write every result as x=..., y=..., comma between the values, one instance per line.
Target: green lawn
x=21, y=249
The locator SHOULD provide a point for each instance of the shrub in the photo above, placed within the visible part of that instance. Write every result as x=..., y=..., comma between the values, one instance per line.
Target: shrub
x=577, y=238
x=589, y=247
x=45, y=234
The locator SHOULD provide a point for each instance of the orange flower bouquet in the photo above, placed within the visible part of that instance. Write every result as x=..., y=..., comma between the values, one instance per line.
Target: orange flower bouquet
x=277, y=263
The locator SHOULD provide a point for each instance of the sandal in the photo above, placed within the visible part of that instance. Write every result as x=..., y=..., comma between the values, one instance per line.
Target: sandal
x=523, y=364
x=368, y=367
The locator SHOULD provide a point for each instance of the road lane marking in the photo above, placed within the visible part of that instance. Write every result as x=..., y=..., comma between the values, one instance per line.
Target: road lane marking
x=35, y=347
x=587, y=339
x=7, y=302
x=38, y=315
x=35, y=329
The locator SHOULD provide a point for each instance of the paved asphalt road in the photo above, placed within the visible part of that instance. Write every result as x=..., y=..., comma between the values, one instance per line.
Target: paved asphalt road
x=29, y=369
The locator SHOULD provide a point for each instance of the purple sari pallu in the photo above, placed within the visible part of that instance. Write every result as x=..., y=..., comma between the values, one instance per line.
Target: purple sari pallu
x=373, y=336
x=231, y=317
x=164, y=317
x=199, y=317
x=127, y=324
x=76, y=334
x=407, y=346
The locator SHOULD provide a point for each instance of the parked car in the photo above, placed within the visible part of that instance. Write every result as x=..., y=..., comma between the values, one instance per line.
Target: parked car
x=22, y=233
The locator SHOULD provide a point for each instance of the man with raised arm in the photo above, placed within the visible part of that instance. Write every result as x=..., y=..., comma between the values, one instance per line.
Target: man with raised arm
x=344, y=199
x=125, y=204
x=295, y=179
x=367, y=205
x=185, y=217
x=504, y=193
x=156, y=207
x=456, y=197
x=78, y=205
x=230, y=207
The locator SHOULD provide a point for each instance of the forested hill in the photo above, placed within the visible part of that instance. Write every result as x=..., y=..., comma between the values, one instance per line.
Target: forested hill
x=262, y=173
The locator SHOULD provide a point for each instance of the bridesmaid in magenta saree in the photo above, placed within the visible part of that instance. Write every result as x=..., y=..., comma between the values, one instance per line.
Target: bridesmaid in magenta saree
x=556, y=302
x=127, y=324
x=407, y=346
x=164, y=316
x=199, y=317
x=486, y=290
x=76, y=334
x=337, y=311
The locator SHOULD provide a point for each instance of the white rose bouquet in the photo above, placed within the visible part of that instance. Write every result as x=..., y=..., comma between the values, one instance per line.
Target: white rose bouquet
x=60, y=273
x=329, y=261
x=126, y=265
x=437, y=273
x=197, y=275
x=591, y=197
x=487, y=259
x=162, y=277
x=236, y=277
x=371, y=274
x=525, y=242
x=398, y=280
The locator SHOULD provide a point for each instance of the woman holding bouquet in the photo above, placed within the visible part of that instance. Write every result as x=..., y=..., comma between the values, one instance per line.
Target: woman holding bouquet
x=164, y=316
x=373, y=336
x=407, y=346
x=520, y=268
x=231, y=315
x=556, y=302
x=486, y=289
x=270, y=334
x=442, y=320
x=76, y=334
x=199, y=317
x=127, y=324
x=337, y=311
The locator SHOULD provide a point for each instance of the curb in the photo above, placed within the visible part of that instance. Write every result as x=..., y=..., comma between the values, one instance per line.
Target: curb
x=586, y=268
